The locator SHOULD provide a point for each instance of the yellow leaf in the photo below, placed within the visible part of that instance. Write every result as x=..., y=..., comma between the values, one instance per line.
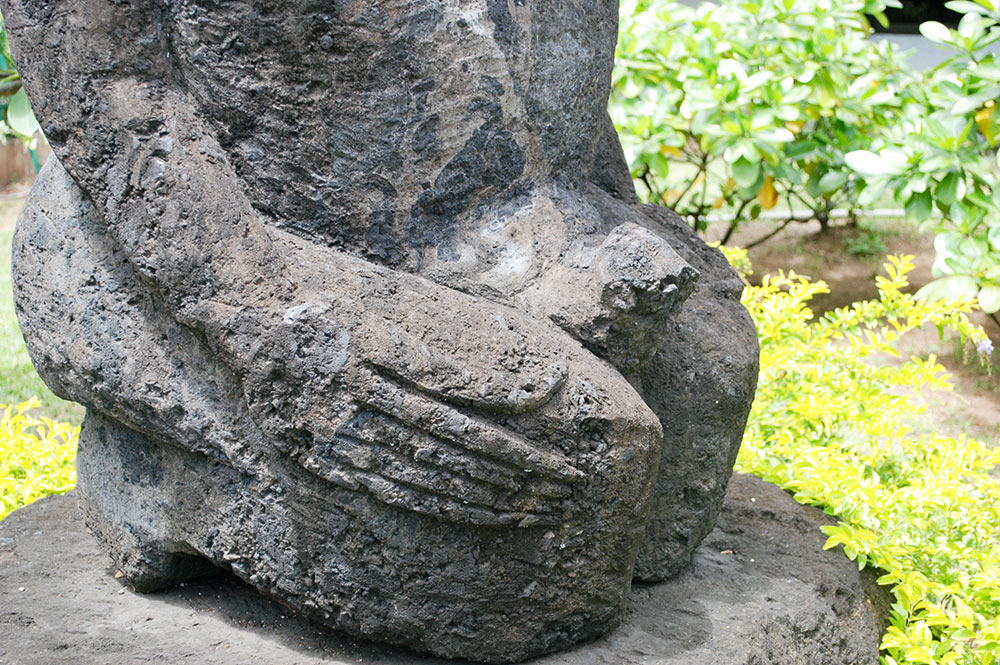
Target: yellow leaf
x=670, y=150
x=984, y=121
x=768, y=195
x=795, y=126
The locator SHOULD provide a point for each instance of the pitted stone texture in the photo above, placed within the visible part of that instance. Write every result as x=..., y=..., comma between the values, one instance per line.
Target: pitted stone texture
x=363, y=309
x=355, y=477
x=760, y=591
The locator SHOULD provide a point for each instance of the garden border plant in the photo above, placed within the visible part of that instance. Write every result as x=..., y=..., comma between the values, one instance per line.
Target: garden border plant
x=830, y=425
x=37, y=457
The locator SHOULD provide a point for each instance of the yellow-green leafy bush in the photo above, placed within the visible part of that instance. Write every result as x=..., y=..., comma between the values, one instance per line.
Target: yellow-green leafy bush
x=36, y=457
x=830, y=425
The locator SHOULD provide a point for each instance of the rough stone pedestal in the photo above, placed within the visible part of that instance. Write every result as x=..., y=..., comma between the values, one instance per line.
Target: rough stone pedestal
x=760, y=591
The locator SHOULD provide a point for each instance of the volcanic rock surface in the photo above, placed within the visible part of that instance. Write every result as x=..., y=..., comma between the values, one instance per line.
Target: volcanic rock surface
x=364, y=310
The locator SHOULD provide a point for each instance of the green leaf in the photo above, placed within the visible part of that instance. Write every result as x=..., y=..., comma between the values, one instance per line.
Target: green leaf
x=832, y=181
x=745, y=172
x=994, y=236
x=989, y=298
x=812, y=184
x=963, y=7
x=826, y=93
x=948, y=243
x=865, y=162
x=935, y=31
x=946, y=191
x=800, y=149
x=775, y=135
x=872, y=193
x=919, y=207
x=988, y=70
x=965, y=105
x=973, y=247
x=981, y=200
x=952, y=287
x=20, y=116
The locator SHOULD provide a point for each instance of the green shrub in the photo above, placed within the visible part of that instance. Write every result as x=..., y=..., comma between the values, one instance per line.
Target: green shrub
x=36, y=457
x=866, y=242
x=830, y=425
x=940, y=161
x=748, y=103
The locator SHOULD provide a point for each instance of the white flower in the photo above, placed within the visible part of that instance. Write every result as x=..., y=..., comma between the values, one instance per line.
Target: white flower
x=730, y=67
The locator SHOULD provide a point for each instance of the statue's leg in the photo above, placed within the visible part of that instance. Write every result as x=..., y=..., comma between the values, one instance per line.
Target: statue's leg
x=129, y=498
x=664, y=309
x=700, y=383
x=98, y=347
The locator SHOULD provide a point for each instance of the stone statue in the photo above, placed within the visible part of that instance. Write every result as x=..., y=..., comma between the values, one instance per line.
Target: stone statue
x=363, y=308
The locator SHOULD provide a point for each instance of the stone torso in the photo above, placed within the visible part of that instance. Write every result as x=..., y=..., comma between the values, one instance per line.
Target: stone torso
x=393, y=129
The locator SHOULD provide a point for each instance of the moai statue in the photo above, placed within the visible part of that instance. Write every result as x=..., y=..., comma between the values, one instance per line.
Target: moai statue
x=363, y=308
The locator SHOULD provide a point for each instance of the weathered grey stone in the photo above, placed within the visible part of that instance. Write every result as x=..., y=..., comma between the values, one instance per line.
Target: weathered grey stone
x=760, y=591
x=363, y=309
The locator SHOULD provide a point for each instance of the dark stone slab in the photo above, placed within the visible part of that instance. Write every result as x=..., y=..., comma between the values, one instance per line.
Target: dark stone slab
x=760, y=591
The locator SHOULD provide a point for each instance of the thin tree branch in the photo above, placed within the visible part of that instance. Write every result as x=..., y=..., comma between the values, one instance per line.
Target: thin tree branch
x=735, y=222
x=770, y=235
x=694, y=179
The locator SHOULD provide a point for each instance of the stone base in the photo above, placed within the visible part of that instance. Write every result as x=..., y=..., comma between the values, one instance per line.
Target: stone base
x=760, y=591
